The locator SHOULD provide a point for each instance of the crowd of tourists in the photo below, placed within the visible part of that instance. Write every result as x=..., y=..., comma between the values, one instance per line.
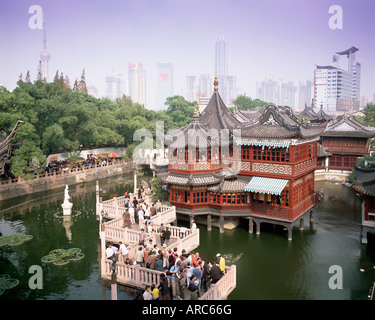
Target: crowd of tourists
x=185, y=275
x=181, y=272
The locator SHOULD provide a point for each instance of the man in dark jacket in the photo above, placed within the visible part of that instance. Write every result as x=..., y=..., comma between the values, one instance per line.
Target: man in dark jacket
x=215, y=273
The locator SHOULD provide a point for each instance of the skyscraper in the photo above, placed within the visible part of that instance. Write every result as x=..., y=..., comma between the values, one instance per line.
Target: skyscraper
x=305, y=93
x=337, y=86
x=114, y=86
x=45, y=56
x=191, y=88
x=227, y=83
x=221, y=67
x=164, y=84
x=137, y=83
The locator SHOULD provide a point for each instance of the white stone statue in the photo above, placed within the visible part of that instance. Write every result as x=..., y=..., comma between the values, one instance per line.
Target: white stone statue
x=67, y=206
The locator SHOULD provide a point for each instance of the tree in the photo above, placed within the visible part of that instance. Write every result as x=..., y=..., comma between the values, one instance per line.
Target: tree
x=26, y=159
x=246, y=103
x=369, y=112
x=82, y=87
x=53, y=139
x=39, y=75
x=160, y=191
x=28, y=78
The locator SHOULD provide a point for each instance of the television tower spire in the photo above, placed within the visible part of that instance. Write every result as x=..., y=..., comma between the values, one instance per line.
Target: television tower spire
x=44, y=55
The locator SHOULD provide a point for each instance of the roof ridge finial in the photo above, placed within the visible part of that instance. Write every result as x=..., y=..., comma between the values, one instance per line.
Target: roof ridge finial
x=216, y=84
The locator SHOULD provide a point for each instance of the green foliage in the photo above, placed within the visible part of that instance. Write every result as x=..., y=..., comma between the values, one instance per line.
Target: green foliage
x=246, y=103
x=159, y=193
x=57, y=118
x=369, y=112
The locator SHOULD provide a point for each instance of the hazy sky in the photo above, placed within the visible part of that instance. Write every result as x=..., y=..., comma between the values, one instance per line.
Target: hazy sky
x=279, y=39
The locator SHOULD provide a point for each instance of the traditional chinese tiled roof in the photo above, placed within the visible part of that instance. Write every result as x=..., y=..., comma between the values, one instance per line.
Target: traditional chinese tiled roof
x=247, y=116
x=322, y=151
x=190, y=179
x=217, y=116
x=229, y=185
x=364, y=182
x=348, y=126
x=281, y=123
x=190, y=135
x=310, y=113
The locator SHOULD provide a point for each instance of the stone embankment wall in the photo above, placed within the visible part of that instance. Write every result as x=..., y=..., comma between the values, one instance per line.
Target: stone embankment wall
x=13, y=188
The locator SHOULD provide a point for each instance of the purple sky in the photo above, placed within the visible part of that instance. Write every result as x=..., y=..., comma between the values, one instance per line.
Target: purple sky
x=279, y=39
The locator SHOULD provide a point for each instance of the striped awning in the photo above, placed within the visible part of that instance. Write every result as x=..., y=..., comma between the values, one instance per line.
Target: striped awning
x=266, y=185
x=264, y=143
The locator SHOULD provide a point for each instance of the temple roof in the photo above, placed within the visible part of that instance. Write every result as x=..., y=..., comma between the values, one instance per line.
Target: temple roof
x=190, y=179
x=247, y=116
x=365, y=181
x=348, y=126
x=310, y=113
x=189, y=135
x=217, y=116
x=280, y=122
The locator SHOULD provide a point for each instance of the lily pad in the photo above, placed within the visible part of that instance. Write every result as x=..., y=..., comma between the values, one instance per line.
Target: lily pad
x=14, y=239
x=61, y=257
x=6, y=283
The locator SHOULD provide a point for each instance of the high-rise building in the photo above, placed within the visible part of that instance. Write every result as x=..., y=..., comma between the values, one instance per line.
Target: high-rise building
x=191, y=88
x=304, y=93
x=114, y=87
x=221, y=67
x=337, y=86
x=137, y=83
x=205, y=85
x=45, y=56
x=227, y=83
x=164, y=84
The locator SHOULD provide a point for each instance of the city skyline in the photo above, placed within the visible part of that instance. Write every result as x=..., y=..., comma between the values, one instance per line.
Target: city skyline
x=267, y=39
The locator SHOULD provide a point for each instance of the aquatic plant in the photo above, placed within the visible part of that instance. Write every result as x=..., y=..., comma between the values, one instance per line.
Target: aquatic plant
x=60, y=257
x=14, y=239
x=6, y=283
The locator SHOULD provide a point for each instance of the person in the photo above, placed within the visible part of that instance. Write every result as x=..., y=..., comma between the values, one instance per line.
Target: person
x=153, y=210
x=140, y=192
x=141, y=218
x=154, y=292
x=206, y=275
x=174, y=270
x=167, y=235
x=164, y=288
x=159, y=263
x=142, y=237
x=194, y=289
x=109, y=252
x=161, y=230
x=147, y=294
x=215, y=273
x=146, y=212
x=139, y=256
x=125, y=219
x=197, y=274
x=221, y=262
x=152, y=260
x=150, y=245
x=158, y=205
x=128, y=262
x=124, y=251
x=193, y=226
x=182, y=281
x=131, y=214
x=189, y=273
